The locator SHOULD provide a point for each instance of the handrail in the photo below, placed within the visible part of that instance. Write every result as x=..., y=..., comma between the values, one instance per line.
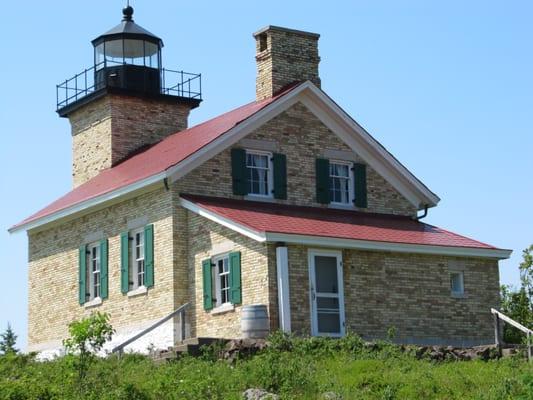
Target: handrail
x=511, y=321
x=497, y=316
x=181, y=309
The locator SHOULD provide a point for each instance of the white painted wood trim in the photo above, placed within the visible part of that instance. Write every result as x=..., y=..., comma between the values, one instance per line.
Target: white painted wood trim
x=90, y=203
x=284, y=302
x=388, y=246
x=244, y=230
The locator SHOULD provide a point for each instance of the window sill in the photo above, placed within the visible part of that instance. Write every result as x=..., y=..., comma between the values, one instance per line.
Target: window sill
x=258, y=197
x=224, y=308
x=137, y=292
x=93, y=303
x=342, y=206
x=458, y=296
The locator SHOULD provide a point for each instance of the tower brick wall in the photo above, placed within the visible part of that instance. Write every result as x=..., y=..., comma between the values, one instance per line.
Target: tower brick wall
x=107, y=130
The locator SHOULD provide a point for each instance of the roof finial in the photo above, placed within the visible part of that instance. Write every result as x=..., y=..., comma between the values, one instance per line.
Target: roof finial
x=127, y=12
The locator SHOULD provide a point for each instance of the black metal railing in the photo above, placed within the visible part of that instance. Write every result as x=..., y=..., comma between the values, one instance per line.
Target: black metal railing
x=173, y=83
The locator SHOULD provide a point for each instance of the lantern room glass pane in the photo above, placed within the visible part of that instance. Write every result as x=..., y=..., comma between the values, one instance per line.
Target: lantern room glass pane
x=114, y=52
x=134, y=52
x=99, y=56
x=151, y=58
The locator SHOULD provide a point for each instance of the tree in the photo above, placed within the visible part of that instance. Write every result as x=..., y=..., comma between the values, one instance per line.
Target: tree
x=87, y=337
x=8, y=339
x=518, y=304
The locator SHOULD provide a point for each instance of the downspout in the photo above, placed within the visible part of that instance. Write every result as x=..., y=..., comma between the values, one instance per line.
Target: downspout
x=424, y=215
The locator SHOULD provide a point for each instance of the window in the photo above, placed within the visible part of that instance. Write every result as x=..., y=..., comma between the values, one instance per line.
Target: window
x=221, y=278
x=340, y=182
x=220, y=274
x=259, y=173
x=93, y=271
x=137, y=270
x=457, y=283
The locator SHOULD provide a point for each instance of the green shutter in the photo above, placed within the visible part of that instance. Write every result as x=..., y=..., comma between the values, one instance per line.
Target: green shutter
x=124, y=262
x=103, y=269
x=149, y=255
x=359, y=173
x=279, y=162
x=82, y=262
x=235, y=290
x=207, y=284
x=322, y=181
x=238, y=172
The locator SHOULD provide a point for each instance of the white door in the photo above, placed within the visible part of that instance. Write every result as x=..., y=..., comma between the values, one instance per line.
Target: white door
x=327, y=295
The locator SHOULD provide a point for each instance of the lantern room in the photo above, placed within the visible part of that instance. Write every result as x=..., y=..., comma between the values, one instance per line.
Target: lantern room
x=128, y=57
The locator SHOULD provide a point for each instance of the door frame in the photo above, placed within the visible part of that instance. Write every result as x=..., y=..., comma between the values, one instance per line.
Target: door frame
x=312, y=253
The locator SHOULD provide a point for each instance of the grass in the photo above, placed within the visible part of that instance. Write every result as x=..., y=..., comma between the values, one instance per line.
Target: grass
x=292, y=368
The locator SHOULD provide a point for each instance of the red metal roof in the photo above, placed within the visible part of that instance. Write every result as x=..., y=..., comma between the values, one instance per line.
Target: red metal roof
x=156, y=159
x=332, y=223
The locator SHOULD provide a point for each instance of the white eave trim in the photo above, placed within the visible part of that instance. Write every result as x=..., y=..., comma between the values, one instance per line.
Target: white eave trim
x=388, y=246
x=331, y=242
x=228, y=223
x=93, y=202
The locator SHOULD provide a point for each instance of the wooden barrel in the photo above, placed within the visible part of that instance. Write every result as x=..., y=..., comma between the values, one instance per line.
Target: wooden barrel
x=254, y=321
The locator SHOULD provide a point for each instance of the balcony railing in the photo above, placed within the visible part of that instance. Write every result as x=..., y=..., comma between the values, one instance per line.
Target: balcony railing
x=172, y=82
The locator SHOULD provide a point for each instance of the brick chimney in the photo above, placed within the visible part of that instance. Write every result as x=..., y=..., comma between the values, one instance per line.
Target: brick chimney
x=284, y=56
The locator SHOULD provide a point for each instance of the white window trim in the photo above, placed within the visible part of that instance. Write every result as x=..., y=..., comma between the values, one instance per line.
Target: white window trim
x=351, y=197
x=270, y=175
x=93, y=303
x=461, y=293
x=137, y=292
x=89, y=269
x=135, y=289
x=220, y=307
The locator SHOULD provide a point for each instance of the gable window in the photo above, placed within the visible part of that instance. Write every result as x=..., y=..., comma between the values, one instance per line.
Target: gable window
x=259, y=171
x=340, y=182
x=137, y=259
x=93, y=272
x=457, y=284
x=221, y=276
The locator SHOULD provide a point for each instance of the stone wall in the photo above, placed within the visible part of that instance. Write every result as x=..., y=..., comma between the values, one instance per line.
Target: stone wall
x=107, y=130
x=53, y=270
x=303, y=138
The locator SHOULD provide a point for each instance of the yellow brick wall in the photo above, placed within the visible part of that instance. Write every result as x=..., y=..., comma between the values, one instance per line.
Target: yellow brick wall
x=53, y=269
x=298, y=134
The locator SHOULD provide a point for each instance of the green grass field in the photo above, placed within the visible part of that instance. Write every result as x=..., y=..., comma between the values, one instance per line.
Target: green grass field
x=302, y=370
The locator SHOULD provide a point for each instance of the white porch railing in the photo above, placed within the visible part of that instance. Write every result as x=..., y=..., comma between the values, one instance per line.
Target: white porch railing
x=180, y=310
x=499, y=316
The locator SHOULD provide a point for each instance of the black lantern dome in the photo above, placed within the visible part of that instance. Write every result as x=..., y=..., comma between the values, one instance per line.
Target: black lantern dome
x=127, y=60
x=128, y=57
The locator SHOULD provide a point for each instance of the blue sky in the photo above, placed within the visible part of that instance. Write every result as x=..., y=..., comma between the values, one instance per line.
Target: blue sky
x=445, y=86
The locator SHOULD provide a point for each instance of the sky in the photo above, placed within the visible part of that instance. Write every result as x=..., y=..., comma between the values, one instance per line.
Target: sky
x=447, y=87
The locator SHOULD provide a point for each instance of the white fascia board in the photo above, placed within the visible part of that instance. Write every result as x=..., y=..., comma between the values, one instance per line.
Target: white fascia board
x=90, y=203
x=368, y=147
x=387, y=246
x=228, y=223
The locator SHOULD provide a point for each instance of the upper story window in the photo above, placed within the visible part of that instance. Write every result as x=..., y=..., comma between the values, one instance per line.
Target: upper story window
x=457, y=284
x=340, y=182
x=137, y=272
x=259, y=168
x=93, y=272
